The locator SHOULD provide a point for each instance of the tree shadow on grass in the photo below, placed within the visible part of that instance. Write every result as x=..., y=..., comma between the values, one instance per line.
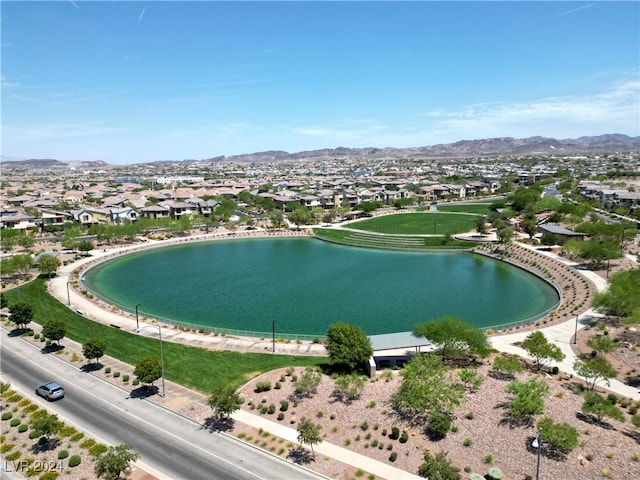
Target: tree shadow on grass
x=218, y=424
x=144, y=391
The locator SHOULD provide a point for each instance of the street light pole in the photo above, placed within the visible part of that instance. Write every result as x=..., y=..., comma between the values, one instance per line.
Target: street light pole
x=575, y=335
x=161, y=355
x=137, y=321
x=161, y=358
x=68, y=297
x=537, y=443
x=273, y=336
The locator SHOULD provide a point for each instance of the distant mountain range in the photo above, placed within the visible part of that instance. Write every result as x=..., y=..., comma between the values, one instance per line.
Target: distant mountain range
x=488, y=147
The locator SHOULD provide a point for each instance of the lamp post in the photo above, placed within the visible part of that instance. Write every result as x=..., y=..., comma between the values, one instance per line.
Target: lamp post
x=137, y=321
x=575, y=334
x=273, y=336
x=537, y=444
x=68, y=297
x=161, y=353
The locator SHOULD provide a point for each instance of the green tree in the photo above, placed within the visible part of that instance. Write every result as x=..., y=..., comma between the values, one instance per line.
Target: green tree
x=307, y=384
x=299, y=216
x=528, y=398
x=438, y=467
x=46, y=425
x=21, y=313
x=48, y=264
x=549, y=239
x=4, y=303
x=276, y=218
x=148, y=370
x=621, y=299
x=427, y=386
x=309, y=434
x=115, y=461
x=530, y=227
x=594, y=370
x=481, y=225
x=543, y=352
x=349, y=387
x=504, y=235
x=348, y=345
x=26, y=241
x=94, y=348
x=22, y=264
x=85, y=246
x=599, y=407
x=224, y=400
x=561, y=437
x=507, y=365
x=602, y=344
x=454, y=337
x=54, y=330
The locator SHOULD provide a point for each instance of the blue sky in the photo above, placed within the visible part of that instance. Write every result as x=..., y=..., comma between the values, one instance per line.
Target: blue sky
x=129, y=82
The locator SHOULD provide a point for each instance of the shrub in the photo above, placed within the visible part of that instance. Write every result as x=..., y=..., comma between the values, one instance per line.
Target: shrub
x=106, y=370
x=277, y=386
x=395, y=433
x=116, y=374
x=63, y=454
x=284, y=405
x=612, y=398
x=15, y=422
x=281, y=416
x=7, y=415
x=262, y=387
x=272, y=408
x=470, y=415
x=494, y=473
x=75, y=460
x=49, y=476
x=404, y=437
x=488, y=458
x=467, y=442
x=23, y=427
x=438, y=425
x=33, y=434
x=125, y=378
x=136, y=381
x=97, y=450
x=393, y=457
x=364, y=426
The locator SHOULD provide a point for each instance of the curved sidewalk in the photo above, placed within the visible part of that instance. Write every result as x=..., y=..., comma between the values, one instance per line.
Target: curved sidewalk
x=563, y=334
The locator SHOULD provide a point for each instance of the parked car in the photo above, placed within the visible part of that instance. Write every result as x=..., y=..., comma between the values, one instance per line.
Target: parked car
x=50, y=391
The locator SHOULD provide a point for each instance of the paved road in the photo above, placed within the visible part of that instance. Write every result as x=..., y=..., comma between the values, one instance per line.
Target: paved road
x=169, y=443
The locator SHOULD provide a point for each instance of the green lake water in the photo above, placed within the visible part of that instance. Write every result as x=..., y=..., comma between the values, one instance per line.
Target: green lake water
x=306, y=285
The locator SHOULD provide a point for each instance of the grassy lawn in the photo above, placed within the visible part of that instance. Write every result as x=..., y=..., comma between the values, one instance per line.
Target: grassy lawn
x=192, y=367
x=417, y=223
x=475, y=208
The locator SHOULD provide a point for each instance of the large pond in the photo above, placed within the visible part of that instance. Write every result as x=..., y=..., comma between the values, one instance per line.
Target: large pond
x=306, y=285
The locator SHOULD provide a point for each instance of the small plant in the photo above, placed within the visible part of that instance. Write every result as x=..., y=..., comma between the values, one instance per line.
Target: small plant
x=470, y=415
x=467, y=442
x=262, y=387
x=75, y=460
x=372, y=404
x=63, y=454
x=488, y=458
x=125, y=378
x=364, y=426
x=319, y=414
x=281, y=416
x=393, y=457
x=107, y=370
x=116, y=374
x=404, y=437
x=395, y=433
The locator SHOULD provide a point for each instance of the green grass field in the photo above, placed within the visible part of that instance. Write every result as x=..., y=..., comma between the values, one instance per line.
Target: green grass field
x=432, y=223
x=475, y=208
x=192, y=367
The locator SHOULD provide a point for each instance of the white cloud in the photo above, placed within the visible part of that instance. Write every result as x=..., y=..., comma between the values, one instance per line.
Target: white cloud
x=616, y=110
